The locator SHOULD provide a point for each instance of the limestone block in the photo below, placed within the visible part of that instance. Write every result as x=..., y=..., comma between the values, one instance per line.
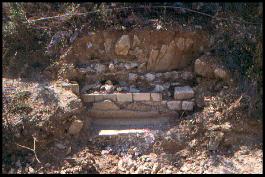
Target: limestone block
x=124, y=97
x=174, y=105
x=156, y=96
x=187, y=105
x=98, y=97
x=141, y=96
x=182, y=93
x=88, y=98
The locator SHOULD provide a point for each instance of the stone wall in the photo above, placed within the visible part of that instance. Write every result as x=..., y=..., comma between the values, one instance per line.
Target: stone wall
x=160, y=50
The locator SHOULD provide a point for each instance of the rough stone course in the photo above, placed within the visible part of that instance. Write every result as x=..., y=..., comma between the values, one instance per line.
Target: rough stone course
x=141, y=96
x=182, y=93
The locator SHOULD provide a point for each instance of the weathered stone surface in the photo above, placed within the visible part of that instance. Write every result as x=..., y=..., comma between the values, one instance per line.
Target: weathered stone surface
x=164, y=62
x=73, y=87
x=152, y=59
x=122, y=114
x=186, y=75
x=76, y=127
x=159, y=88
x=203, y=68
x=111, y=67
x=109, y=88
x=88, y=98
x=107, y=45
x=131, y=65
x=132, y=76
x=156, y=96
x=187, y=105
x=112, y=97
x=136, y=41
x=123, y=45
x=133, y=89
x=185, y=92
x=98, y=97
x=184, y=44
x=124, y=97
x=141, y=96
x=105, y=105
x=150, y=77
x=100, y=68
x=174, y=105
x=220, y=73
x=138, y=53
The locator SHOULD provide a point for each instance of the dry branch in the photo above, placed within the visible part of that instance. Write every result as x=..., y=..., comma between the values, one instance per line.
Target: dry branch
x=33, y=150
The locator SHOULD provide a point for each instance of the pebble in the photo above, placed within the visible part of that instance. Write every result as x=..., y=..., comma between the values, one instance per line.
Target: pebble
x=31, y=170
x=111, y=66
x=159, y=88
x=150, y=77
x=60, y=146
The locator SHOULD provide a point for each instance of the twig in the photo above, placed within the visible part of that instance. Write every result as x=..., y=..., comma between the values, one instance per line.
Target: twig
x=33, y=150
x=143, y=7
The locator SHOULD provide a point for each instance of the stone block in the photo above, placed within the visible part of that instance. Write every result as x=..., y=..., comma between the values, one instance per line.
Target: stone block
x=174, y=105
x=88, y=98
x=124, y=97
x=156, y=96
x=112, y=97
x=105, y=105
x=182, y=93
x=187, y=105
x=98, y=97
x=141, y=96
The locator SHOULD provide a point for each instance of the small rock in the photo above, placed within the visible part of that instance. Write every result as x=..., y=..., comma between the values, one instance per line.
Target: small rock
x=134, y=90
x=111, y=66
x=47, y=165
x=18, y=164
x=75, y=127
x=31, y=170
x=119, y=89
x=109, y=88
x=159, y=88
x=155, y=168
x=215, y=141
x=104, y=152
x=168, y=172
x=130, y=65
x=60, y=146
x=187, y=75
x=150, y=77
x=132, y=76
x=220, y=73
x=100, y=68
x=68, y=151
x=11, y=171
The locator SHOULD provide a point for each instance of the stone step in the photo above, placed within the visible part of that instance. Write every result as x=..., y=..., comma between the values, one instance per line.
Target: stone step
x=127, y=114
x=121, y=123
